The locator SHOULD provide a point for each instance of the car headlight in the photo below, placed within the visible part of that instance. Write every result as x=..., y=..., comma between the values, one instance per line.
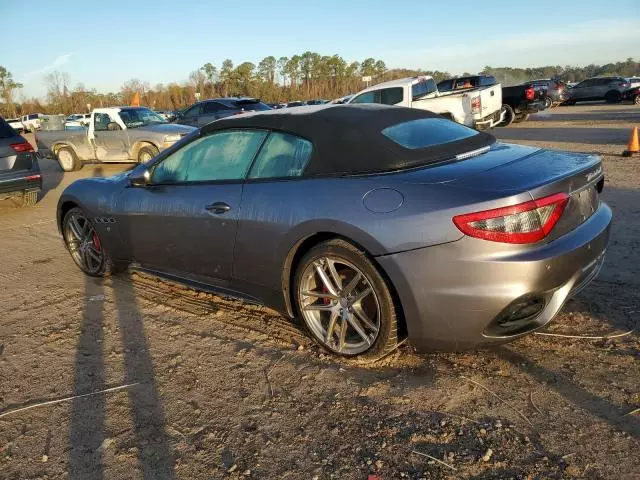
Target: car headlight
x=171, y=138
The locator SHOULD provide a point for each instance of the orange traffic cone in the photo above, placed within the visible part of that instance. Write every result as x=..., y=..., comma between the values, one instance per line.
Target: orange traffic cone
x=634, y=145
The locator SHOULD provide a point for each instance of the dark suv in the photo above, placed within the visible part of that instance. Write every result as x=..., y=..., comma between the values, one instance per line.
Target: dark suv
x=598, y=88
x=207, y=111
x=19, y=170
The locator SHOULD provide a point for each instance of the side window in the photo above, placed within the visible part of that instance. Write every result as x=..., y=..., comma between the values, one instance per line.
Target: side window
x=194, y=111
x=210, y=108
x=282, y=155
x=423, y=88
x=368, y=97
x=603, y=82
x=487, y=81
x=100, y=121
x=586, y=83
x=391, y=96
x=445, y=85
x=33, y=116
x=226, y=155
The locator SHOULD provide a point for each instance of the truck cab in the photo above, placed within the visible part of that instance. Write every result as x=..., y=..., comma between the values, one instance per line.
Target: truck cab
x=476, y=107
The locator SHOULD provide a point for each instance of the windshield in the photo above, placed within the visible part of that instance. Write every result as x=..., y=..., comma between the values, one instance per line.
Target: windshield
x=140, y=117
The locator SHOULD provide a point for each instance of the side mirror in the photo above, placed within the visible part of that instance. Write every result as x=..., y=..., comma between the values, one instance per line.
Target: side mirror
x=140, y=177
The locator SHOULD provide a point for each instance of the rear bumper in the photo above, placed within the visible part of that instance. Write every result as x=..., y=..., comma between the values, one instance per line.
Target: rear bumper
x=490, y=121
x=16, y=181
x=454, y=295
x=531, y=107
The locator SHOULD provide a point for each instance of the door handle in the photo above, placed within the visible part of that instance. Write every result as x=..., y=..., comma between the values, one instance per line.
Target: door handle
x=218, y=207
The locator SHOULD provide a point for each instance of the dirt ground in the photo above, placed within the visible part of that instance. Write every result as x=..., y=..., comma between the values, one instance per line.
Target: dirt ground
x=223, y=389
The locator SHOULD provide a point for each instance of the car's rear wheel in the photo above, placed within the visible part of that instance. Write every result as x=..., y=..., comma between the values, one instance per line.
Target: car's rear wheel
x=344, y=301
x=521, y=117
x=84, y=245
x=508, y=116
x=29, y=199
x=548, y=102
x=613, y=97
x=636, y=100
x=68, y=160
x=146, y=153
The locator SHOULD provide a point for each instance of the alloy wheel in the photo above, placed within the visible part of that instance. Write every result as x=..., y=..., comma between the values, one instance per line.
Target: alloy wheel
x=84, y=243
x=339, y=305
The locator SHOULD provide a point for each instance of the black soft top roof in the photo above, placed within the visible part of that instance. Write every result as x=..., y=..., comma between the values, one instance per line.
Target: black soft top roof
x=347, y=139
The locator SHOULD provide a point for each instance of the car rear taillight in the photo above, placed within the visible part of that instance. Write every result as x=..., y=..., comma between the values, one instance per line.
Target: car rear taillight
x=476, y=105
x=33, y=178
x=526, y=222
x=529, y=93
x=22, y=147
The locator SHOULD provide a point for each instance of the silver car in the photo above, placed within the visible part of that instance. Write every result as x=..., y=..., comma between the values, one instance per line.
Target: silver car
x=598, y=88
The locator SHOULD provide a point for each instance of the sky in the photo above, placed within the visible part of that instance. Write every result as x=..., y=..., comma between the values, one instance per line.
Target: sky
x=105, y=43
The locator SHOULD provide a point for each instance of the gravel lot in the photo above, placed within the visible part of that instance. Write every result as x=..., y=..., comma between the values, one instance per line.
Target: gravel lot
x=223, y=389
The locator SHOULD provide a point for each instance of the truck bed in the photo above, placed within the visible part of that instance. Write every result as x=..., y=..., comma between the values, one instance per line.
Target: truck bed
x=76, y=139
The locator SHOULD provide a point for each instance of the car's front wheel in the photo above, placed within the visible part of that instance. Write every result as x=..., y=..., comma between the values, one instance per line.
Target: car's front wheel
x=146, y=153
x=636, y=100
x=344, y=301
x=84, y=245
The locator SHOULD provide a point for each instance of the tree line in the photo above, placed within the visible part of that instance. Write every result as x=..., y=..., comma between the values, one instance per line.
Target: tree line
x=301, y=77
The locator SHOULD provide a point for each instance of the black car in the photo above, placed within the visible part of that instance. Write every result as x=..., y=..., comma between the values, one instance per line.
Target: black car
x=19, y=170
x=207, y=111
x=520, y=101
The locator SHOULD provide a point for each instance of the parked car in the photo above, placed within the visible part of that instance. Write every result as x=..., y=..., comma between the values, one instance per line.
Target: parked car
x=117, y=134
x=31, y=122
x=16, y=124
x=554, y=90
x=410, y=223
x=632, y=95
x=297, y=103
x=477, y=107
x=520, y=101
x=317, y=101
x=598, y=88
x=206, y=111
x=19, y=170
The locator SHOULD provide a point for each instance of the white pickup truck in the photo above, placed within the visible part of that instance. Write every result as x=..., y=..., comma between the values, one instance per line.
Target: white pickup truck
x=479, y=108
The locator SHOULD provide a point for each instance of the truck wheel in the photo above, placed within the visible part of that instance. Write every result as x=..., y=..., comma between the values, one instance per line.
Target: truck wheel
x=613, y=97
x=29, y=199
x=509, y=115
x=146, y=153
x=68, y=160
x=548, y=102
x=521, y=117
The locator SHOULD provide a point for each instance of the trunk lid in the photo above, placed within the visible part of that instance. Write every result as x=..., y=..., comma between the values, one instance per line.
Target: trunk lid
x=511, y=169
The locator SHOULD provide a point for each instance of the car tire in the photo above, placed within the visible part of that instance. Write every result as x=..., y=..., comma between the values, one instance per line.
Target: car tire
x=366, y=328
x=548, y=103
x=68, y=160
x=509, y=115
x=146, y=153
x=102, y=268
x=636, y=99
x=29, y=199
x=521, y=117
x=613, y=97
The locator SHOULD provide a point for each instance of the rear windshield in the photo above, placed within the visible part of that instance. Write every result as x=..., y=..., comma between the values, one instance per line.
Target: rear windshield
x=5, y=130
x=252, y=105
x=427, y=132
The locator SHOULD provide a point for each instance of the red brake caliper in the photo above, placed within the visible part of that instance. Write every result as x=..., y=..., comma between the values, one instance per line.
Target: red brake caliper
x=96, y=241
x=325, y=300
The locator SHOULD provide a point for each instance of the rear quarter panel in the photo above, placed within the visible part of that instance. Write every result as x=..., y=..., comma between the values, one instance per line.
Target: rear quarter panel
x=48, y=141
x=276, y=215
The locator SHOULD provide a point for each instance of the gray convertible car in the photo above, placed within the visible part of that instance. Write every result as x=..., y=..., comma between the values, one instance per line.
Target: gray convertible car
x=369, y=223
